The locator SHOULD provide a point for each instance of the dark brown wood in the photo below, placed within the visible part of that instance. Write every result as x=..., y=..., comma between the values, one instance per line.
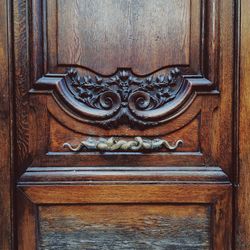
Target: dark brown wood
x=178, y=130
x=117, y=175
x=26, y=222
x=242, y=219
x=124, y=98
x=22, y=84
x=218, y=196
x=6, y=123
x=66, y=112
x=222, y=117
x=136, y=26
x=130, y=226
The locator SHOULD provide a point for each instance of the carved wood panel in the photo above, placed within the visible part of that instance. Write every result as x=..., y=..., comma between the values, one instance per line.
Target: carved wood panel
x=123, y=102
x=130, y=99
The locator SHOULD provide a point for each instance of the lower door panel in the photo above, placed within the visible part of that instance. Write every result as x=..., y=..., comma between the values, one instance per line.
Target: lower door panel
x=132, y=215
x=127, y=226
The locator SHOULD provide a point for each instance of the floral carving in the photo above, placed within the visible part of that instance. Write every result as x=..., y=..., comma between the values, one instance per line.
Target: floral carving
x=125, y=94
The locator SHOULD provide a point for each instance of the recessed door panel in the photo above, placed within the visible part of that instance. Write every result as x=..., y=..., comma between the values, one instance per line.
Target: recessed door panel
x=125, y=227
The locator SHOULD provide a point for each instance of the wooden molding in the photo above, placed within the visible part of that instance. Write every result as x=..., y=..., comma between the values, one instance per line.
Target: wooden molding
x=218, y=197
x=6, y=128
x=116, y=175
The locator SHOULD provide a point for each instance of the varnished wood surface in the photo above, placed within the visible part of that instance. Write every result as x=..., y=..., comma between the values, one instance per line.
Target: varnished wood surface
x=192, y=127
x=22, y=84
x=142, y=227
x=140, y=34
x=6, y=184
x=217, y=196
x=221, y=144
x=26, y=218
x=216, y=149
x=115, y=175
x=189, y=134
x=49, y=37
x=123, y=193
x=243, y=184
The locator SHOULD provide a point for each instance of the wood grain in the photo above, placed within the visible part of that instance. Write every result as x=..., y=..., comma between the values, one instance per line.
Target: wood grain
x=122, y=175
x=143, y=35
x=26, y=223
x=22, y=83
x=218, y=196
x=125, y=227
x=104, y=35
x=222, y=118
x=59, y=134
x=6, y=118
x=243, y=193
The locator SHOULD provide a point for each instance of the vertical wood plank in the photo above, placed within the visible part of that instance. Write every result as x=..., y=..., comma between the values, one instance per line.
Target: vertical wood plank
x=222, y=147
x=5, y=129
x=26, y=223
x=22, y=83
x=243, y=194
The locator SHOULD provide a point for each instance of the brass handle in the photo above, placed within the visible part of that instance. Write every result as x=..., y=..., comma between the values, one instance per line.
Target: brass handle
x=113, y=144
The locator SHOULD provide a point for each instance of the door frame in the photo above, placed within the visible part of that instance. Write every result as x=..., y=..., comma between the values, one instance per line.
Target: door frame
x=6, y=128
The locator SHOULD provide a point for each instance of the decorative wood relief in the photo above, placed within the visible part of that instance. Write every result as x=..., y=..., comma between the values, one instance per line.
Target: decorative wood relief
x=138, y=144
x=123, y=98
x=124, y=94
x=124, y=89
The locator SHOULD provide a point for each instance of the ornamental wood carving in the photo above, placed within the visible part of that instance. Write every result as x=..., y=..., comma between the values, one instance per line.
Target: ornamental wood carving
x=124, y=90
x=123, y=98
x=138, y=144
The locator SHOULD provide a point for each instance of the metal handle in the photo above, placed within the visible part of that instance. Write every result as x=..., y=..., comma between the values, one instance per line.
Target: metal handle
x=113, y=144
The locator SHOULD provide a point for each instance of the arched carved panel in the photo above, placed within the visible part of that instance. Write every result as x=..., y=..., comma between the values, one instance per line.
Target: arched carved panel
x=123, y=98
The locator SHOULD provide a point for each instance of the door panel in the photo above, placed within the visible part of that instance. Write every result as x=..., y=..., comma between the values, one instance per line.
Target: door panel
x=124, y=227
x=161, y=213
x=119, y=106
x=140, y=32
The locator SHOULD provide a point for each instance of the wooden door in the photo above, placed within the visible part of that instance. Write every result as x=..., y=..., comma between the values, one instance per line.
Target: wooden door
x=123, y=112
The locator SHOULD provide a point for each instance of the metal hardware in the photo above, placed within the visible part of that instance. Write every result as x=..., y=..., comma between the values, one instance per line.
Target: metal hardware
x=138, y=144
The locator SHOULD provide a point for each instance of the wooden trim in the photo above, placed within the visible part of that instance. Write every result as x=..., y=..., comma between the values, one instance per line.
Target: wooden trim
x=218, y=196
x=6, y=118
x=122, y=175
x=26, y=221
x=242, y=182
x=236, y=100
x=145, y=193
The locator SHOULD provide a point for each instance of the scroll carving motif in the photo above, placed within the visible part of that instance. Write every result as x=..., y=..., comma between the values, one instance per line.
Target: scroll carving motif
x=122, y=98
x=124, y=90
x=138, y=144
x=129, y=99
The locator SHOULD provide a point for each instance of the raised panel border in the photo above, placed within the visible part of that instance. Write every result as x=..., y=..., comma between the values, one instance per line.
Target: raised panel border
x=212, y=192
x=207, y=17
x=203, y=14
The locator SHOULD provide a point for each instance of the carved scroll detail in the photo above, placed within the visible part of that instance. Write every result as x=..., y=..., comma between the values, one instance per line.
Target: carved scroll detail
x=124, y=89
x=113, y=144
x=123, y=98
